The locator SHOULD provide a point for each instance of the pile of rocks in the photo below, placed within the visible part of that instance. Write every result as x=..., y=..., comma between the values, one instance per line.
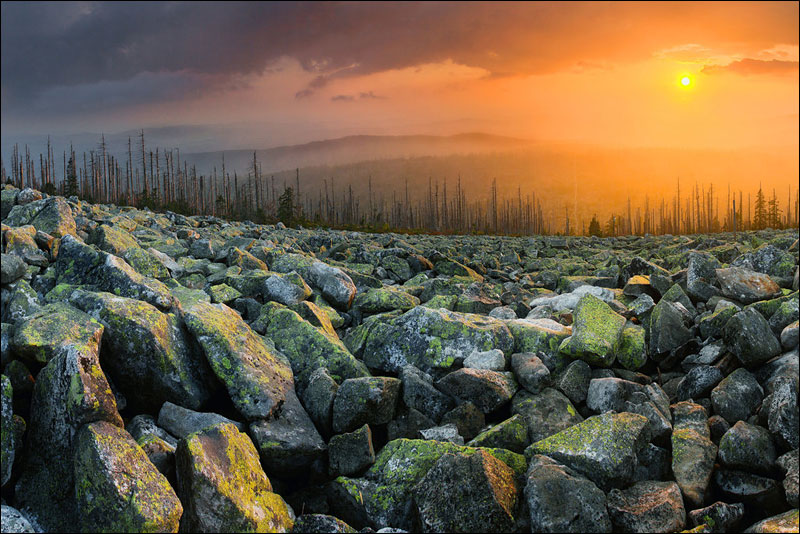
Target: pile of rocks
x=164, y=372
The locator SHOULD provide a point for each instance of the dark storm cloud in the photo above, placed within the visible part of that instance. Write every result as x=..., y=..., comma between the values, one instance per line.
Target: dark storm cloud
x=748, y=66
x=46, y=46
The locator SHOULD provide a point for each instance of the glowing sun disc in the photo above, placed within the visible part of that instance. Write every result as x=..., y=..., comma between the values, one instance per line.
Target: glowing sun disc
x=686, y=81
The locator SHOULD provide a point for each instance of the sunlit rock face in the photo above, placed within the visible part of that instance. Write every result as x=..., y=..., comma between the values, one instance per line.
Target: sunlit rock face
x=164, y=372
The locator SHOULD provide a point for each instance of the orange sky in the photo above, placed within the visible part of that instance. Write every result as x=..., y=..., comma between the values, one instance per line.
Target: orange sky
x=600, y=73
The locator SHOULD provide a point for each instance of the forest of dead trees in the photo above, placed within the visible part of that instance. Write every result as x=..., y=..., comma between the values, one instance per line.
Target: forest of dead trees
x=160, y=180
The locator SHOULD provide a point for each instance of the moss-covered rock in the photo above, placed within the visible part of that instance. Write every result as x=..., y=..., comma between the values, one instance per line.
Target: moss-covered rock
x=383, y=300
x=223, y=487
x=316, y=316
x=54, y=327
x=433, y=339
x=693, y=453
x=148, y=356
x=223, y=293
x=309, y=348
x=632, y=352
x=367, y=400
x=604, y=448
x=511, y=434
x=385, y=492
x=467, y=493
x=256, y=378
x=595, y=334
x=50, y=215
x=785, y=522
x=146, y=263
x=117, y=488
x=70, y=391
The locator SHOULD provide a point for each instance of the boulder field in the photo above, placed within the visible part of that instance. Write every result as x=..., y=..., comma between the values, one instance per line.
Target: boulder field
x=163, y=372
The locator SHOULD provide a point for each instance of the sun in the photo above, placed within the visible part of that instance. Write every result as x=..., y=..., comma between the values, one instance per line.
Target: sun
x=686, y=81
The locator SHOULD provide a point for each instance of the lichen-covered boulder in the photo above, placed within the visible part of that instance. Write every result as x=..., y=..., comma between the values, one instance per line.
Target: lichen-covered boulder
x=223, y=487
x=288, y=442
x=545, y=413
x=256, y=378
x=351, y=452
x=112, y=239
x=632, y=351
x=308, y=348
x=535, y=335
x=596, y=332
x=70, y=391
x=12, y=268
x=785, y=522
x=384, y=495
x=604, y=448
x=467, y=493
x=432, y=339
x=647, y=506
x=117, y=488
x=383, y=300
x=52, y=328
x=561, y=500
x=51, y=215
x=148, y=356
x=511, y=434
x=693, y=453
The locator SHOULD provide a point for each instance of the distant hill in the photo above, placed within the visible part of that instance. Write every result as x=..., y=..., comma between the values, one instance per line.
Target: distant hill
x=353, y=149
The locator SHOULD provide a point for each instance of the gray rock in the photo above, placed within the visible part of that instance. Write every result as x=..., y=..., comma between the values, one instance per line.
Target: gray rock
x=7, y=443
x=148, y=356
x=749, y=448
x=488, y=390
x=790, y=336
x=448, y=432
x=492, y=360
x=781, y=411
x=698, y=382
x=788, y=462
x=317, y=392
x=667, y=330
x=752, y=490
x=647, y=506
x=369, y=400
x=321, y=524
x=750, y=338
x=693, y=453
x=561, y=500
x=737, y=396
x=610, y=394
x=287, y=441
x=701, y=275
x=180, y=421
x=420, y=394
x=335, y=285
x=12, y=520
x=746, y=286
x=144, y=425
x=288, y=289
x=351, y=453
x=531, y=373
x=719, y=517
x=785, y=522
x=546, y=414
x=468, y=419
x=574, y=380
x=408, y=423
x=12, y=268
x=481, y=487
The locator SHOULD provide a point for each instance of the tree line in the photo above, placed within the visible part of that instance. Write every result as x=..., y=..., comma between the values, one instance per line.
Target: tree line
x=160, y=180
